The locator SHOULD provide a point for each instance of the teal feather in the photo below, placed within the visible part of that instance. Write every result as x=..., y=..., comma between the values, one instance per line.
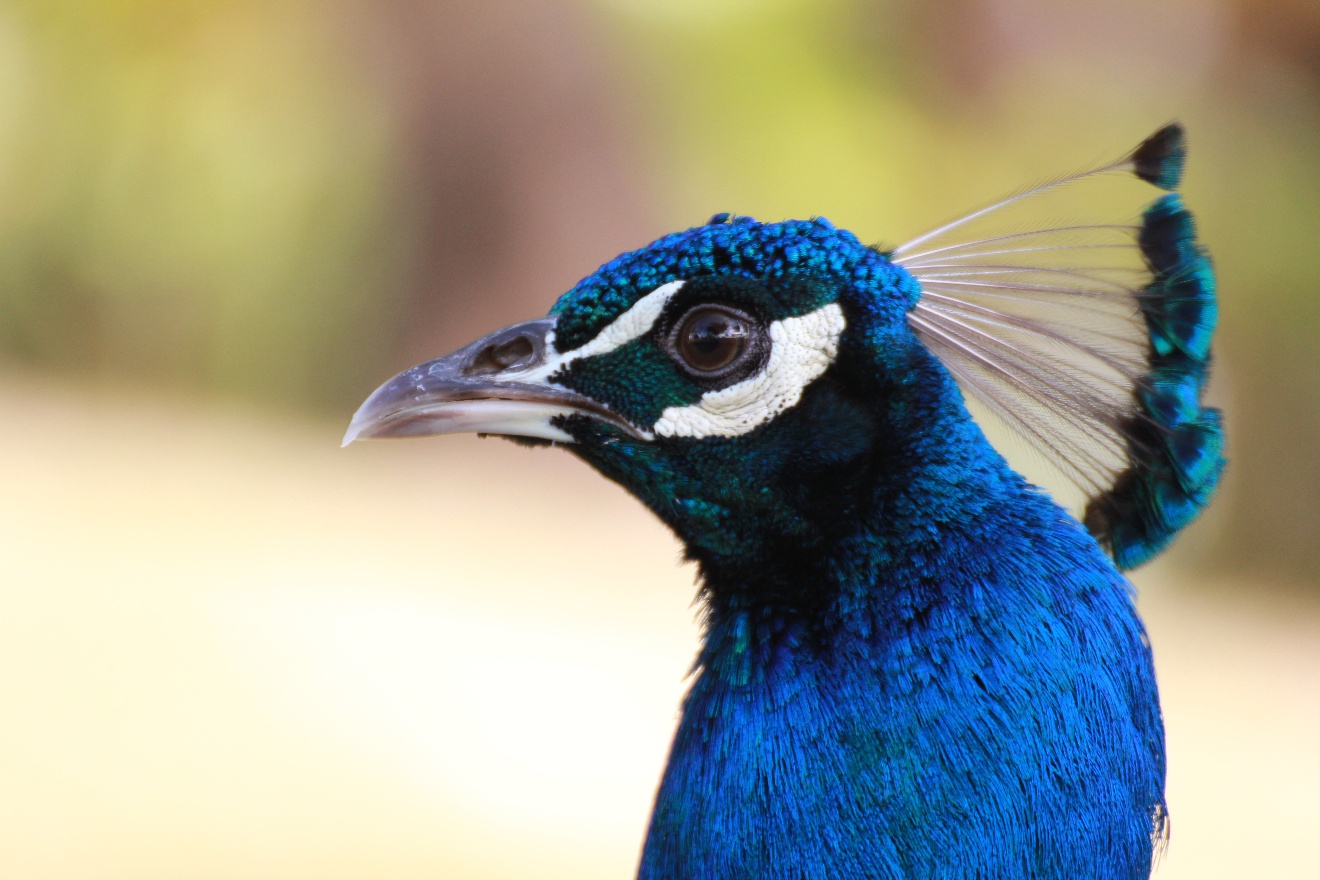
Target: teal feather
x=1171, y=398
x=1195, y=451
x=1179, y=304
x=1168, y=482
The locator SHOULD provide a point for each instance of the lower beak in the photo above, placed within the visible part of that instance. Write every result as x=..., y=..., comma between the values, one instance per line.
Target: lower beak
x=496, y=385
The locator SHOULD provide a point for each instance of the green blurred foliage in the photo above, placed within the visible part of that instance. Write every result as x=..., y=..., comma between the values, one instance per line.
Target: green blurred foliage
x=207, y=192
x=191, y=192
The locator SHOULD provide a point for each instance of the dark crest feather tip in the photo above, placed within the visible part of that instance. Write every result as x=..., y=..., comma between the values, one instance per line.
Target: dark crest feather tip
x=1195, y=449
x=1160, y=158
x=1168, y=234
x=1179, y=304
x=1185, y=313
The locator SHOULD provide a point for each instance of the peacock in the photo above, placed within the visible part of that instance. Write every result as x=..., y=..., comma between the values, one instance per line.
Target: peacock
x=914, y=663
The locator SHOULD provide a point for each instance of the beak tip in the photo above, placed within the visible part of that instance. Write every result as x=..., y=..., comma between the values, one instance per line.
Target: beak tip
x=354, y=432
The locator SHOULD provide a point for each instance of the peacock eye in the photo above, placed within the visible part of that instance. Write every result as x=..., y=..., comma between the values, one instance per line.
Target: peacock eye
x=709, y=340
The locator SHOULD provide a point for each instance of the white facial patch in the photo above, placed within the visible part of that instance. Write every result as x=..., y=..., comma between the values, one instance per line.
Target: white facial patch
x=632, y=324
x=801, y=349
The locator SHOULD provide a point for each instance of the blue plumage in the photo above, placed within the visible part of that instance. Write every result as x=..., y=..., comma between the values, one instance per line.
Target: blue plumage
x=915, y=664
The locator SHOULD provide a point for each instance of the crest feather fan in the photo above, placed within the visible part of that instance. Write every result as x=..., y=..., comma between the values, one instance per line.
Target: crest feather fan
x=1093, y=342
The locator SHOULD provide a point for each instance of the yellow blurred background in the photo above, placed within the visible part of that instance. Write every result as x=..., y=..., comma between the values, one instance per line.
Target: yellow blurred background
x=230, y=649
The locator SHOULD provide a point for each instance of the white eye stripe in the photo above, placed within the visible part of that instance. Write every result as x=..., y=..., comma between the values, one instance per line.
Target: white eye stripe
x=633, y=323
x=801, y=349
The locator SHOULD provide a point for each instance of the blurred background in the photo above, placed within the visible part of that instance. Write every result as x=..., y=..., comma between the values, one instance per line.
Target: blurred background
x=228, y=649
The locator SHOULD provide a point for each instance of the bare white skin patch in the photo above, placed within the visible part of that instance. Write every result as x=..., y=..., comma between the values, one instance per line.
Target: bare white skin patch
x=632, y=324
x=801, y=349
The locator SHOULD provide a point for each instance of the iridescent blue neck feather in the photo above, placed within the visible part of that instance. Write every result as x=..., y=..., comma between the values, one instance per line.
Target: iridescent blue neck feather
x=958, y=686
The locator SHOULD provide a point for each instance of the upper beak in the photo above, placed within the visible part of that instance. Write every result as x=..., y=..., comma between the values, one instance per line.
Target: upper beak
x=496, y=385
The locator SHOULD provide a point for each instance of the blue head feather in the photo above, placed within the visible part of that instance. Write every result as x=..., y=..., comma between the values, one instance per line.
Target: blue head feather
x=813, y=253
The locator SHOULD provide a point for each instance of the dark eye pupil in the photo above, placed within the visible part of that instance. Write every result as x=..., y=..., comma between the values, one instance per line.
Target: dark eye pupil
x=711, y=339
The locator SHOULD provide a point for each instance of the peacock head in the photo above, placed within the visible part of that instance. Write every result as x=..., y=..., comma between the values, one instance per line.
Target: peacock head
x=754, y=384
x=726, y=375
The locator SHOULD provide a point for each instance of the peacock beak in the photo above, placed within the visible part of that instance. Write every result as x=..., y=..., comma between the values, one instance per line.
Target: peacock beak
x=496, y=385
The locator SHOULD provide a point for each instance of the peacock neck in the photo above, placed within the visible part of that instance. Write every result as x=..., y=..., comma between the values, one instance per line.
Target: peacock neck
x=918, y=509
x=955, y=684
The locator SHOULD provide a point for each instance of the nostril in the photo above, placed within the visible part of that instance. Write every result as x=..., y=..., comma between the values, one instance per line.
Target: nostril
x=501, y=356
x=512, y=353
